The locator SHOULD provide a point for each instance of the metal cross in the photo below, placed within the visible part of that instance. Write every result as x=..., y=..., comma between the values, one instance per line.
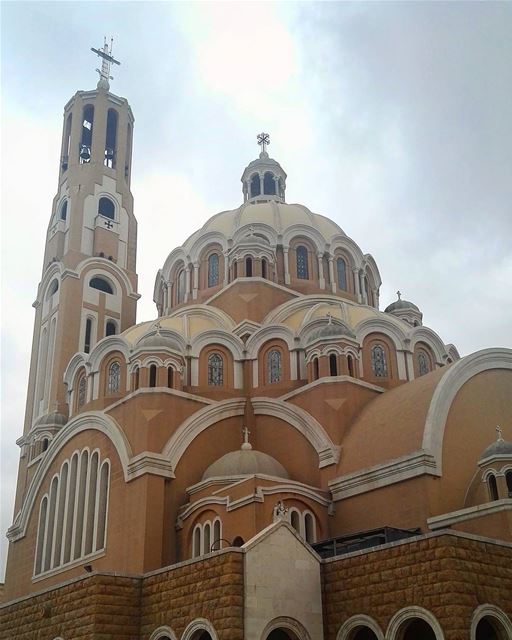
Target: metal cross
x=106, y=60
x=263, y=140
x=500, y=432
x=399, y=293
x=109, y=224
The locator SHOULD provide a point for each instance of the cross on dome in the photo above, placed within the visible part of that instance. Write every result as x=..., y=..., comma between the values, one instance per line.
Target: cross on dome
x=107, y=59
x=263, y=140
x=399, y=294
x=246, y=445
x=500, y=433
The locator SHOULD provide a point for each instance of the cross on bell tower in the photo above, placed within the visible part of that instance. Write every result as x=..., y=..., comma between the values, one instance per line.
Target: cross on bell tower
x=263, y=141
x=107, y=59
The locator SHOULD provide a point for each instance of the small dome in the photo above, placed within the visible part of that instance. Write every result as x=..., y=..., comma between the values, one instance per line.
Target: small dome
x=400, y=305
x=54, y=419
x=499, y=448
x=157, y=340
x=331, y=330
x=245, y=462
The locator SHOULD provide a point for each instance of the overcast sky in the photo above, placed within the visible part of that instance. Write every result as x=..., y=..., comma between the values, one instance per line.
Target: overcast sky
x=393, y=119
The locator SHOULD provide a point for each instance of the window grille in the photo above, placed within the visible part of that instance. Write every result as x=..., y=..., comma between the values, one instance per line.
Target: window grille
x=341, y=269
x=379, y=364
x=213, y=270
x=82, y=391
x=423, y=365
x=114, y=378
x=302, y=263
x=215, y=370
x=274, y=366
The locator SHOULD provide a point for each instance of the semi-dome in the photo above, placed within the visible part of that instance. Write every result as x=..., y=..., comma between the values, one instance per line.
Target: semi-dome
x=157, y=340
x=331, y=330
x=53, y=419
x=400, y=305
x=245, y=462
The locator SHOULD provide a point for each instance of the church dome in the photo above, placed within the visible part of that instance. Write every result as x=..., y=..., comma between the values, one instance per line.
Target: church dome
x=245, y=462
x=500, y=447
x=157, y=340
x=400, y=305
x=331, y=330
x=53, y=419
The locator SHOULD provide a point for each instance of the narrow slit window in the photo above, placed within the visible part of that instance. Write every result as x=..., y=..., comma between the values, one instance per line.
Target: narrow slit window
x=264, y=269
x=274, y=366
x=152, y=375
x=215, y=370
x=379, y=364
x=248, y=267
x=302, y=263
x=493, y=487
x=86, y=139
x=111, y=328
x=213, y=270
x=170, y=377
x=255, y=185
x=88, y=331
x=333, y=364
x=111, y=139
x=341, y=269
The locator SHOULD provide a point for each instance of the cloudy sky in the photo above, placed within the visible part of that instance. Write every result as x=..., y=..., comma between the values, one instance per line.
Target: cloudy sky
x=391, y=118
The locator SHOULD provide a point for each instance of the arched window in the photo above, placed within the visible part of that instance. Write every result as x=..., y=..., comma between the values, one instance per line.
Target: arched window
x=238, y=542
x=152, y=375
x=493, y=487
x=114, y=378
x=52, y=289
x=508, y=480
x=255, y=185
x=106, y=208
x=417, y=629
x=316, y=370
x=295, y=520
x=341, y=272
x=111, y=139
x=196, y=541
x=66, y=143
x=111, y=328
x=170, y=375
x=333, y=365
x=302, y=263
x=309, y=528
x=269, y=183
x=63, y=213
x=45, y=444
x=215, y=370
x=274, y=366
x=88, y=331
x=248, y=267
x=350, y=364
x=86, y=139
x=264, y=268
x=379, y=364
x=217, y=535
x=181, y=286
x=207, y=539
x=423, y=363
x=490, y=629
x=82, y=392
x=213, y=270
x=101, y=284
x=136, y=381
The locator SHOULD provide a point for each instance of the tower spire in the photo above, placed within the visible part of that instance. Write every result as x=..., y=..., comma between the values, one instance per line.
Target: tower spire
x=107, y=60
x=263, y=141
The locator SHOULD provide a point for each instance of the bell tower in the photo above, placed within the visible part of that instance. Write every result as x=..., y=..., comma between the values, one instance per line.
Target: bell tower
x=88, y=288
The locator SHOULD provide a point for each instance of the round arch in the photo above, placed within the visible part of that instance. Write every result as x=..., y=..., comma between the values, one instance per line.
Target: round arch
x=355, y=622
x=287, y=624
x=495, y=614
x=162, y=633
x=95, y=420
x=380, y=325
x=408, y=614
x=200, y=624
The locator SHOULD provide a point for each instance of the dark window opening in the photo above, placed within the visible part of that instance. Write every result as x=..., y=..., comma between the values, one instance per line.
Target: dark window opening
x=65, y=147
x=170, y=375
x=269, y=184
x=350, y=363
x=485, y=630
x=508, y=480
x=316, y=373
x=64, y=210
x=255, y=185
x=137, y=378
x=419, y=630
x=45, y=444
x=238, y=541
x=248, y=267
x=107, y=208
x=101, y=285
x=213, y=270
x=302, y=263
x=341, y=269
x=264, y=270
x=493, y=487
x=86, y=139
x=88, y=331
x=235, y=270
x=363, y=633
x=53, y=288
x=333, y=365
x=152, y=375
x=111, y=139
x=110, y=329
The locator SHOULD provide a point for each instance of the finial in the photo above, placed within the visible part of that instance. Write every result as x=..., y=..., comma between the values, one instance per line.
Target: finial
x=263, y=141
x=329, y=317
x=157, y=326
x=106, y=60
x=399, y=294
x=246, y=445
x=500, y=432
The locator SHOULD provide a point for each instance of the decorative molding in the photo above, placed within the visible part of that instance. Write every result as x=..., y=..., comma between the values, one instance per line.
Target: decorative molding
x=481, y=510
x=490, y=611
x=284, y=622
x=162, y=633
x=328, y=380
x=149, y=462
x=200, y=624
x=382, y=475
x=395, y=628
x=305, y=423
x=356, y=622
x=448, y=387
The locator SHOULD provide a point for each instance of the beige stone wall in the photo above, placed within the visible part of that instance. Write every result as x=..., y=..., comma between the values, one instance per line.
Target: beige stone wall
x=282, y=579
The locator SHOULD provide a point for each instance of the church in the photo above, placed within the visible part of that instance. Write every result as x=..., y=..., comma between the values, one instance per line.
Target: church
x=273, y=457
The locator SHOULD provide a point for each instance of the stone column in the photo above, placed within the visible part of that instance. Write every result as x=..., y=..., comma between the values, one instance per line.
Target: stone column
x=331, y=275
x=357, y=283
x=196, y=280
x=321, y=279
x=187, y=282
x=286, y=266
x=226, y=269
x=261, y=185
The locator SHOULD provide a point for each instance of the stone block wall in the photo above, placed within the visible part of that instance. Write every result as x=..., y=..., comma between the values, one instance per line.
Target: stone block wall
x=212, y=588
x=447, y=574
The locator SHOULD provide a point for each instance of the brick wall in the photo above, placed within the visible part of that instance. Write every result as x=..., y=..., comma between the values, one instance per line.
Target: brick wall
x=448, y=575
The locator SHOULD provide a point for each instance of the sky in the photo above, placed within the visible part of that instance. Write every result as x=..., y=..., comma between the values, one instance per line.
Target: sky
x=393, y=119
